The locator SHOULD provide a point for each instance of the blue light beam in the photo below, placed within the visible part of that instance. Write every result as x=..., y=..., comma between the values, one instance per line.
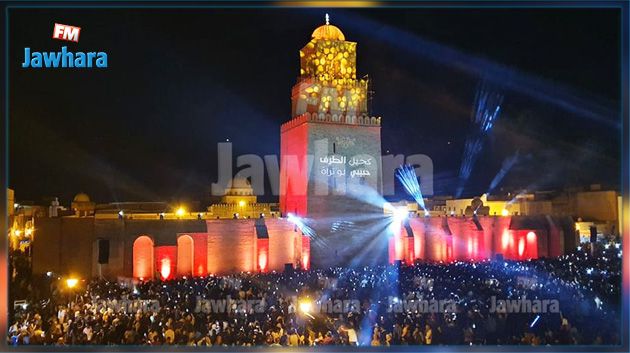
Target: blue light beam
x=486, y=110
x=508, y=163
x=406, y=174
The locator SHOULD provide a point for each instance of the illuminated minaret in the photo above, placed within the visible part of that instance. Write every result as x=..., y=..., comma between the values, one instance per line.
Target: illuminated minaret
x=328, y=76
x=330, y=124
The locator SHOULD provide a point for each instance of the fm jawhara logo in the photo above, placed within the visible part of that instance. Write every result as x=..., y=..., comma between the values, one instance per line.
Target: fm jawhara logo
x=64, y=58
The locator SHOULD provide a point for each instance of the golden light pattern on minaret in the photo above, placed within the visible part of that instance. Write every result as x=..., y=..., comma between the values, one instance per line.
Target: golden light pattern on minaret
x=328, y=75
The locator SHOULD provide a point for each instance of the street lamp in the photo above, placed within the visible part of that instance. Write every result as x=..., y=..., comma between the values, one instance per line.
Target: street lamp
x=71, y=283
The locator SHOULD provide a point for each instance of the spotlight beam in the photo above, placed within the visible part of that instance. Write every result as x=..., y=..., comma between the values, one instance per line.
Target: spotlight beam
x=406, y=174
x=561, y=96
x=486, y=109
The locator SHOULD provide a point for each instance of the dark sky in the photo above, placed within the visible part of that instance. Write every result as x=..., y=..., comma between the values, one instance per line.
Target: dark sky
x=181, y=80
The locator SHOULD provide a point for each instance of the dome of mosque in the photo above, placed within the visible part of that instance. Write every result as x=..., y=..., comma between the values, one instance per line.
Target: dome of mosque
x=241, y=183
x=328, y=32
x=81, y=197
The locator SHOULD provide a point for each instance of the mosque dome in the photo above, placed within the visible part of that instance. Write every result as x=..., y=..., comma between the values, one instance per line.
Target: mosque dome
x=81, y=197
x=240, y=186
x=328, y=32
x=241, y=183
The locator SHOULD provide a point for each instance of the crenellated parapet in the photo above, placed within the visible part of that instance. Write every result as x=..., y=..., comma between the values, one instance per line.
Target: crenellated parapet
x=360, y=120
x=242, y=210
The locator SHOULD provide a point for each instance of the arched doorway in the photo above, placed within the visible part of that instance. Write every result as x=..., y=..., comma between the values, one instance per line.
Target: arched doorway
x=185, y=255
x=143, y=257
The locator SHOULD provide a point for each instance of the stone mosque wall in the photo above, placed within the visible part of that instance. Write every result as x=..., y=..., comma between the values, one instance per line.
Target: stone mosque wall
x=459, y=238
x=231, y=246
x=70, y=246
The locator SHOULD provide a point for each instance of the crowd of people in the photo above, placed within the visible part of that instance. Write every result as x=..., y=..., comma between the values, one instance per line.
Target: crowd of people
x=285, y=309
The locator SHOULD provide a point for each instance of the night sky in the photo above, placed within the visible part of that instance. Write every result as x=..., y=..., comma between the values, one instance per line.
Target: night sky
x=181, y=80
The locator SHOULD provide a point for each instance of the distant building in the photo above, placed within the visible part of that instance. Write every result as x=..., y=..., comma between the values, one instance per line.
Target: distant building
x=21, y=224
x=595, y=207
x=82, y=206
x=239, y=201
x=521, y=204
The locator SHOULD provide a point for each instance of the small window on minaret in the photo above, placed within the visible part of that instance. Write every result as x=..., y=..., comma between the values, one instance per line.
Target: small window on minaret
x=334, y=147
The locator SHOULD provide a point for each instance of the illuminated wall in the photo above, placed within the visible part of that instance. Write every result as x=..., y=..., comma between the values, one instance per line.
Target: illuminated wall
x=306, y=253
x=519, y=244
x=262, y=254
x=166, y=261
x=489, y=226
x=200, y=255
x=461, y=238
x=401, y=249
x=228, y=246
x=439, y=240
x=419, y=241
x=231, y=246
x=294, y=169
x=469, y=242
x=146, y=249
x=556, y=238
x=282, y=243
x=396, y=247
x=344, y=181
x=143, y=257
x=185, y=255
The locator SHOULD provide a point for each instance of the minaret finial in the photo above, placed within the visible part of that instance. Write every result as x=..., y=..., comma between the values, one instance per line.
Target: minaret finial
x=327, y=19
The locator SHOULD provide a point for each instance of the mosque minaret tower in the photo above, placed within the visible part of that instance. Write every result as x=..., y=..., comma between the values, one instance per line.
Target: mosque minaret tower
x=331, y=124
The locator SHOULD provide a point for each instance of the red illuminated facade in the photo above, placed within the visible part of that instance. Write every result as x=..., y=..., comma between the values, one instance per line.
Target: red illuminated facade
x=166, y=261
x=228, y=246
x=474, y=238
